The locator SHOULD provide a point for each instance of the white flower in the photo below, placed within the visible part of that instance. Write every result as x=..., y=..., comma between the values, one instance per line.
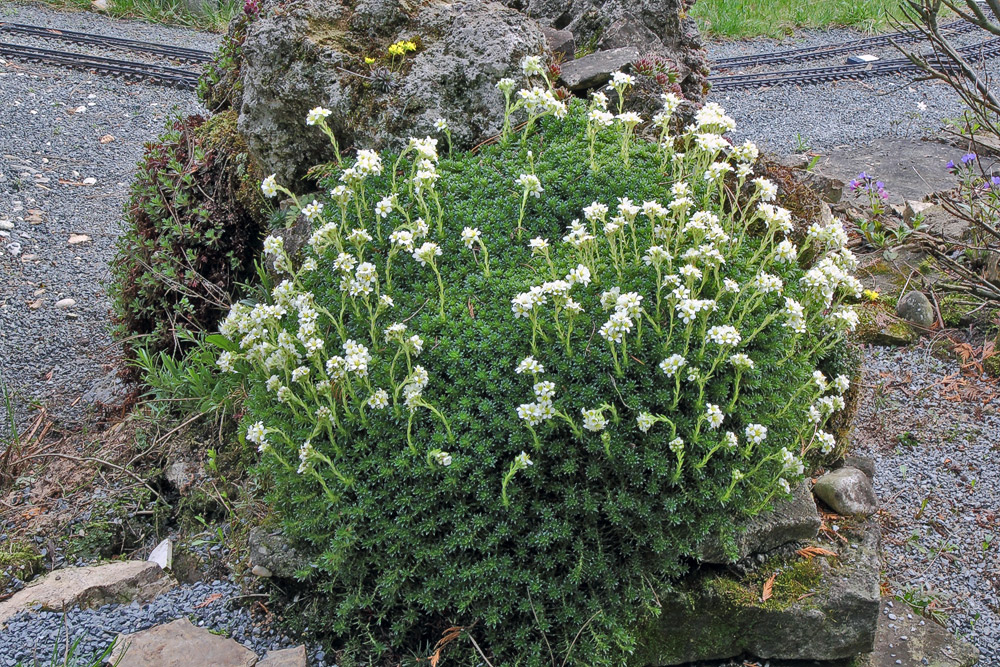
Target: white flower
x=731, y=440
x=645, y=421
x=469, y=236
x=712, y=116
x=921, y=106
x=529, y=365
x=594, y=420
x=620, y=79
x=300, y=373
x=317, y=114
x=672, y=364
x=617, y=326
x=756, y=433
x=369, y=163
x=306, y=455
x=531, y=184
x=269, y=187
x=387, y=301
x=523, y=460
x=714, y=415
x=256, y=433
x=225, y=362
x=581, y=275
x=791, y=463
x=786, y=251
x=312, y=211
x=273, y=246
x=545, y=390
x=538, y=244
x=379, y=399
x=531, y=65
x=785, y=486
x=820, y=380
x=741, y=362
x=826, y=441
x=767, y=283
x=596, y=212
x=724, y=335
x=629, y=118
x=601, y=117
x=384, y=207
x=676, y=445
x=506, y=85
x=841, y=384
x=442, y=459
x=768, y=190
x=402, y=238
x=426, y=253
x=440, y=125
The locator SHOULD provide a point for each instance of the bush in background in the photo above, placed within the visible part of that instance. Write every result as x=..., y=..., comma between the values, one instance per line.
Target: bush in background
x=195, y=221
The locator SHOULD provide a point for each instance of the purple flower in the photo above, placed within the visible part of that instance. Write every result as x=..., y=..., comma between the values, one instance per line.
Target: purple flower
x=968, y=157
x=995, y=182
x=853, y=185
x=879, y=185
x=950, y=166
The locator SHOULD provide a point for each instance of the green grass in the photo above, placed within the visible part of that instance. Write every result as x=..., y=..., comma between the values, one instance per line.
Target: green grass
x=170, y=12
x=735, y=19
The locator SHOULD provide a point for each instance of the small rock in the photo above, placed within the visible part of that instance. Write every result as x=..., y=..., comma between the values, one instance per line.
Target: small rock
x=163, y=554
x=560, y=41
x=99, y=5
x=6, y=224
x=260, y=571
x=63, y=304
x=14, y=248
x=289, y=657
x=595, y=70
x=107, y=139
x=847, y=491
x=78, y=238
x=916, y=308
x=90, y=180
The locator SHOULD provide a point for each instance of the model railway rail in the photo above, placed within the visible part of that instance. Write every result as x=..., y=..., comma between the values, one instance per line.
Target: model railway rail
x=988, y=49
x=828, y=50
x=170, y=76
x=84, y=39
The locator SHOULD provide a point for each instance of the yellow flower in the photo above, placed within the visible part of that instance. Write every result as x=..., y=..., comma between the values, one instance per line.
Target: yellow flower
x=369, y=61
x=871, y=295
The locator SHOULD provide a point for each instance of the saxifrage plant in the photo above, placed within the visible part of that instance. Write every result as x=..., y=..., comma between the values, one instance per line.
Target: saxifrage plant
x=508, y=393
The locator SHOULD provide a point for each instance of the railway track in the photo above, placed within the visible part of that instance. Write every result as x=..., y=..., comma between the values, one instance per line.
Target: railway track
x=808, y=53
x=170, y=76
x=175, y=53
x=815, y=75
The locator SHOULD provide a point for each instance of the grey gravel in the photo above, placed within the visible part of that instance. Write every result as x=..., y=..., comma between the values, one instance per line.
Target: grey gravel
x=51, y=124
x=218, y=606
x=937, y=463
x=784, y=119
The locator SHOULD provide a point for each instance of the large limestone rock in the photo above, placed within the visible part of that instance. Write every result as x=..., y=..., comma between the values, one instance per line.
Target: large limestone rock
x=179, y=644
x=120, y=581
x=289, y=657
x=792, y=520
x=304, y=53
x=662, y=27
x=819, y=609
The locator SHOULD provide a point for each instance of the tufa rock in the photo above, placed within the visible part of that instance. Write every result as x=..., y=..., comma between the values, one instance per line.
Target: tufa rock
x=304, y=53
x=917, y=643
x=261, y=571
x=916, y=308
x=595, y=70
x=847, y=491
x=663, y=28
x=121, y=581
x=289, y=657
x=560, y=42
x=792, y=520
x=179, y=644
x=820, y=609
x=937, y=221
x=879, y=326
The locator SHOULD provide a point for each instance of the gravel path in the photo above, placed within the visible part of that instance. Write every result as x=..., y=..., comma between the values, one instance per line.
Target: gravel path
x=934, y=436
x=217, y=606
x=846, y=113
x=69, y=143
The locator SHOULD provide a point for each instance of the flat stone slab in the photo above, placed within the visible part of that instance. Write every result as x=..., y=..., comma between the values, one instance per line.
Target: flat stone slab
x=121, y=581
x=594, y=70
x=792, y=520
x=179, y=644
x=917, y=642
x=289, y=657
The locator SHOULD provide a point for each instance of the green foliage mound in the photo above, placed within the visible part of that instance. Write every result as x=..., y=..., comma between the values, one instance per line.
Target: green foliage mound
x=436, y=477
x=194, y=226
